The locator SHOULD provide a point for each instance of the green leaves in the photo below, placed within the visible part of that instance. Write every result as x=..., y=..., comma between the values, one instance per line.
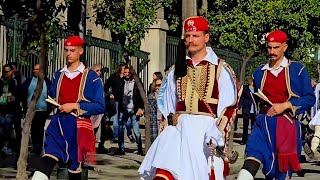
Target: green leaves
x=131, y=22
x=47, y=17
x=243, y=24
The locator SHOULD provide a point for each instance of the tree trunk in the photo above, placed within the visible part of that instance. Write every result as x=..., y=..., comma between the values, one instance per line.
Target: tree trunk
x=244, y=65
x=243, y=71
x=22, y=161
x=146, y=110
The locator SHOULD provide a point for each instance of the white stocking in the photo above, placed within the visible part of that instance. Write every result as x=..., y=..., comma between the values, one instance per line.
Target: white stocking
x=315, y=140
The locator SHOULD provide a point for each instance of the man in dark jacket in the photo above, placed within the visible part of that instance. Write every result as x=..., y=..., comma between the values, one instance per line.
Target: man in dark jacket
x=43, y=109
x=131, y=109
x=113, y=85
x=9, y=103
x=249, y=108
x=17, y=123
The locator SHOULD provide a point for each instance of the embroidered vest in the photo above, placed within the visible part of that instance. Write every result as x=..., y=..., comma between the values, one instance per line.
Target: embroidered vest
x=275, y=88
x=69, y=89
x=198, y=91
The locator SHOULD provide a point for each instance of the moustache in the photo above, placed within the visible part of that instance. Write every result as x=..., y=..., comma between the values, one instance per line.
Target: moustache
x=190, y=44
x=272, y=55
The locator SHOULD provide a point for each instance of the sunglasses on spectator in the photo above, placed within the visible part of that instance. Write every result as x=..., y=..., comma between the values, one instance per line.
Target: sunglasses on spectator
x=158, y=85
x=98, y=70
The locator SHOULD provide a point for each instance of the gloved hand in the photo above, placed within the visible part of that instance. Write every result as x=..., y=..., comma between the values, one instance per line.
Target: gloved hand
x=214, y=135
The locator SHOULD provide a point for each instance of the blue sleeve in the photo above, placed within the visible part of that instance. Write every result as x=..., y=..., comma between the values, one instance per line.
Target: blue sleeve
x=307, y=97
x=53, y=88
x=97, y=101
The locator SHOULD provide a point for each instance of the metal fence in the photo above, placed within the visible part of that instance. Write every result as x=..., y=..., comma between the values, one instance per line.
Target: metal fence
x=97, y=51
x=232, y=58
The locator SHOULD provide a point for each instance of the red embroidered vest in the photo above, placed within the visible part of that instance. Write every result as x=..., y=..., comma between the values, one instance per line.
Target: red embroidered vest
x=198, y=91
x=275, y=88
x=69, y=89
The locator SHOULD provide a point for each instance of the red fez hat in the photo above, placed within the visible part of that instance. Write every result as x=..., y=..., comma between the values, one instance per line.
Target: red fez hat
x=74, y=41
x=196, y=24
x=277, y=36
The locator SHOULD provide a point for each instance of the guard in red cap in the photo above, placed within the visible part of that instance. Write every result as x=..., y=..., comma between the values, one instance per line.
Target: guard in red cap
x=69, y=137
x=198, y=99
x=285, y=90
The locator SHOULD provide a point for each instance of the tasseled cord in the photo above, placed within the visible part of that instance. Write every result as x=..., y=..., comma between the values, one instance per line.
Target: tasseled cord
x=180, y=64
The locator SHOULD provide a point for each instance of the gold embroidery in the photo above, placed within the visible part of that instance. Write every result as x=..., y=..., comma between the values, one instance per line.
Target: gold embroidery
x=78, y=170
x=59, y=86
x=212, y=101
x=82, y=86
x=263, y=81
x=51, y=156
x=210, y=84
x=287, y=75
x=184, y=82
x=179, y=89
x=255, y=159
x=197, y=85
x=203, y=81
x=162, y=176
x=81, y=96
x=219, y=68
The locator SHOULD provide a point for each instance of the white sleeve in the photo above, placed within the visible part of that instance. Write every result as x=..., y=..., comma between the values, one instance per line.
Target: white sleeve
x=227, y=91
x=168, y=99
x=315, y=108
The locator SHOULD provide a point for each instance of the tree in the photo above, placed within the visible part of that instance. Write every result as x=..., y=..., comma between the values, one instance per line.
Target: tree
x=129, y=21
x=42, y=22
x=242, y=26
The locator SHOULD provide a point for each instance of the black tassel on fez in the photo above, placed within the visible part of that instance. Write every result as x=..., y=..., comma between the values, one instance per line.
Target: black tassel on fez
x=180, y=64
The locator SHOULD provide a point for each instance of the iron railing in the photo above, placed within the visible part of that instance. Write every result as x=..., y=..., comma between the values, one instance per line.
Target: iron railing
x=97, y=51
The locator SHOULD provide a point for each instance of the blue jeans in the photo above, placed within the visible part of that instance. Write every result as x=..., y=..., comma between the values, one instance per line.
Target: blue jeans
x=6, y=121
x=130, y=120
x=116, y=122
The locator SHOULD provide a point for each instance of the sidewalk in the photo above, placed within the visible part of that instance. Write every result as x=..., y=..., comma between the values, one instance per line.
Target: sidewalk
x=112, y=167
x=109, y=167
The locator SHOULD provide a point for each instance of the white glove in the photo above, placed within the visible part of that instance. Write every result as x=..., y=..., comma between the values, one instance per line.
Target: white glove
x=214, y=134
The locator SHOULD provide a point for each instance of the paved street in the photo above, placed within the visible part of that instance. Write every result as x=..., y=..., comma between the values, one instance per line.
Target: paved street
x=125, y=167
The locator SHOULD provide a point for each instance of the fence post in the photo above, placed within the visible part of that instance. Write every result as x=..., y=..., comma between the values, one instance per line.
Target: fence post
x=88, y=49
x=14, y=52
x=120, y=56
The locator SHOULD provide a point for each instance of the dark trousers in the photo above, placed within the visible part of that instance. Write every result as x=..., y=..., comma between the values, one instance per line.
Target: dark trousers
x=18, y=132
x=236, y=122
x=37, y=130
x=246, y=119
